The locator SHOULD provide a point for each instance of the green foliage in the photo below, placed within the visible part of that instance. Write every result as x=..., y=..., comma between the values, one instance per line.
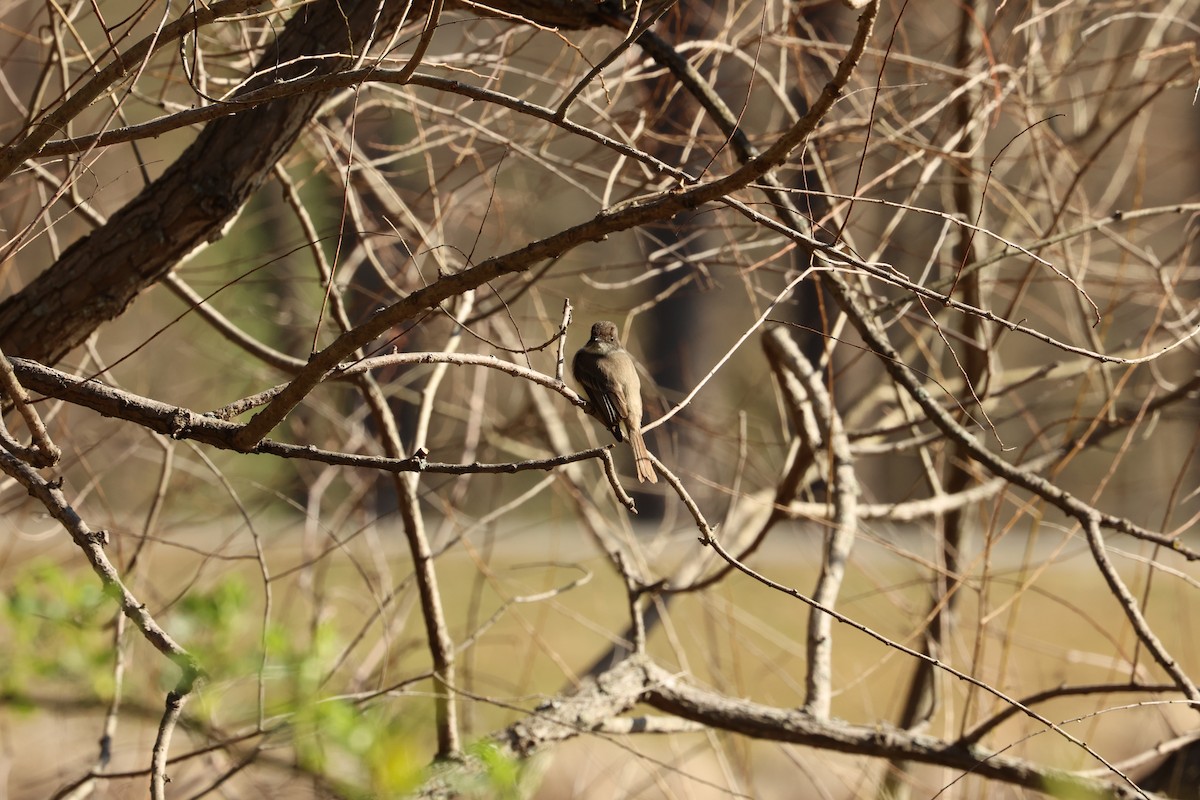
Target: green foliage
x=215, y=624
x=503, y=772
x=57, y=627
x=54, y=627
x=368, y=751
x=216, y=610
x=1064, y=789
x=491, y=774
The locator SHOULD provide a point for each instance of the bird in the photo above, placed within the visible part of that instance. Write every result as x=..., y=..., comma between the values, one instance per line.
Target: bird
x=609, y=377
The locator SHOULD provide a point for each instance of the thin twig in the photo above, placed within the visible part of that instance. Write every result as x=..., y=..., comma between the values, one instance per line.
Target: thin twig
x=1129, y=605
x=614, y=480
x=162, y=744
x=42, y=452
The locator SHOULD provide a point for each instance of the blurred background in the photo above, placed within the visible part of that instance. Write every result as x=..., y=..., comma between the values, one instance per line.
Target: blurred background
x=1042, y=161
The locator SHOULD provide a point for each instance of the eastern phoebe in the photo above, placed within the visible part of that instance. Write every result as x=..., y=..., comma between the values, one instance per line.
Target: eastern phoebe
x=608, y=375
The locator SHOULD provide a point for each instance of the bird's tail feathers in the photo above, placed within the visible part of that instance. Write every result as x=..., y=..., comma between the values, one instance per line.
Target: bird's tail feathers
x=641, y=457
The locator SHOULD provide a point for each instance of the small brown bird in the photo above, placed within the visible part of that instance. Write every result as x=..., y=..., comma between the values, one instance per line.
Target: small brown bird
x=609, y=376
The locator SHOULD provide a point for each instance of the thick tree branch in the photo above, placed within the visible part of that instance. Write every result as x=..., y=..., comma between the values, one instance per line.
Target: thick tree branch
x=597, y=705
x=201, y=193
x=195, y=199
x=122, y=65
